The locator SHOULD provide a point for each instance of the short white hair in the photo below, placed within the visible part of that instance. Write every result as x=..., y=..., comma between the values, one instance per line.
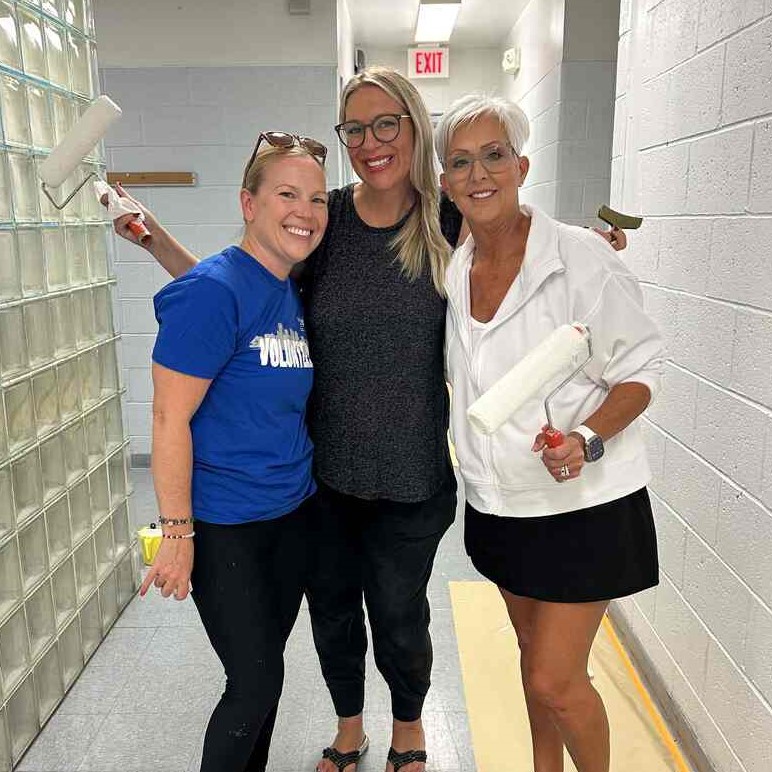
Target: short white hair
x=468, y=108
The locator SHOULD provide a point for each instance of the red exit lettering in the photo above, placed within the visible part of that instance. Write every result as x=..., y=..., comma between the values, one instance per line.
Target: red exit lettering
x=429, y=62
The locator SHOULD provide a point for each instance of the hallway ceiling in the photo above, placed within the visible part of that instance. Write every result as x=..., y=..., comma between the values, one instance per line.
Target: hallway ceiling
x=481, y=23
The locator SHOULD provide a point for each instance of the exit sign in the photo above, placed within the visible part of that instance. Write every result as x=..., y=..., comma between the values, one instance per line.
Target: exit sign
x=428, y=62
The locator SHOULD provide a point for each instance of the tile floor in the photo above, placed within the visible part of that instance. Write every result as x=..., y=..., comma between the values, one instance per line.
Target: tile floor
x=142, y=703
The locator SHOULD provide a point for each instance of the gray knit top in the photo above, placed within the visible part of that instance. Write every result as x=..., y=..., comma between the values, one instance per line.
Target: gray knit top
x=378, y=414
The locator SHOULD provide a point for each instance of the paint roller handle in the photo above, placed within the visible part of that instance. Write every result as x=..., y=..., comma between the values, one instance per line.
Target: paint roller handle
x=138, y=228
x=553, y=438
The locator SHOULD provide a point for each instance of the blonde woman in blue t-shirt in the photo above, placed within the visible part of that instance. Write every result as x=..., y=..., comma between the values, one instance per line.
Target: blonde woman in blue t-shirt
x=231, y=376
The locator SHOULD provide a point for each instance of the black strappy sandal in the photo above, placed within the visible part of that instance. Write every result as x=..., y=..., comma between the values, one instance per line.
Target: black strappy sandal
x=342, y=760
x=398, y=760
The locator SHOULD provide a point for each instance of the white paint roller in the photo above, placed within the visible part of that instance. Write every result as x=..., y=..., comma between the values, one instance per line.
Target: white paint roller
x=79, y=141
x=563, y=353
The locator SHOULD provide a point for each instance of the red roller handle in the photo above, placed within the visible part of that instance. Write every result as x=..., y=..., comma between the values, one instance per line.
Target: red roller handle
x=138, y=228
x=553, y=437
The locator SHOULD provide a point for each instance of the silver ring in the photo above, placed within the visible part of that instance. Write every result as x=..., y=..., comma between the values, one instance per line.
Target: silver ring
x=564, y=471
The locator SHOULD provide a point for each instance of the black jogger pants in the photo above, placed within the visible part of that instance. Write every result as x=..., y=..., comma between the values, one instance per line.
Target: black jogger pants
x=382, y=550
x=248, y=582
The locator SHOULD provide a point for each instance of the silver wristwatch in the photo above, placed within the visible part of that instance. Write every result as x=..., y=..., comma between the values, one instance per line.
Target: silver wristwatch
x=593, y=443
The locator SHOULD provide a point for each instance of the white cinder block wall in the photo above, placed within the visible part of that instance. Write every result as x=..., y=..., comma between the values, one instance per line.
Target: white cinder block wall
x=566, y=87
x=693, y=153
x=538, y=34
x=204, y=120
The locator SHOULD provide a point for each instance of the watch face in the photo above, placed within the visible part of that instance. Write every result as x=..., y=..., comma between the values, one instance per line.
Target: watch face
x=593, y=448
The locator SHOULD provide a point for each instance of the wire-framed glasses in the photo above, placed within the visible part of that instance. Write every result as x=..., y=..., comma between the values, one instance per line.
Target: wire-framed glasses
x=494, y=159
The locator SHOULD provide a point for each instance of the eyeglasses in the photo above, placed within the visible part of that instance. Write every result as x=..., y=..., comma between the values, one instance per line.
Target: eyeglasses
x=284, y=140
x=495, y=159
x=385, y=128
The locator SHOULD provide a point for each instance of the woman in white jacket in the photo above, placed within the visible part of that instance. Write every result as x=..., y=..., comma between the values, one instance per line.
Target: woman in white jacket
x=560, y=531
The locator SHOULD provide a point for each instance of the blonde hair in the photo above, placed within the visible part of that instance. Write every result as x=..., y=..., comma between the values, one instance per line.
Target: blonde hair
x=266, y=155
x=471, y=107
x=420, y=242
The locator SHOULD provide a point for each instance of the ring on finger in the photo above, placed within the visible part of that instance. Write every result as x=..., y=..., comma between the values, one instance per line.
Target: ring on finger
x=564, y=470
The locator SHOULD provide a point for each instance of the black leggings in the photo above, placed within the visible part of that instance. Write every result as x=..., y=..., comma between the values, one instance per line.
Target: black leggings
x=247, y=585
x=382, y=550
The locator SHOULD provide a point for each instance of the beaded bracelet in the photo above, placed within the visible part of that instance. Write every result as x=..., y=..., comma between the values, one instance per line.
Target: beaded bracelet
x=171, y=521
x=179, y=535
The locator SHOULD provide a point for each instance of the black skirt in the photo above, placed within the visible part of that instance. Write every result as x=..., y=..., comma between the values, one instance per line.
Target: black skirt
x=599, y=553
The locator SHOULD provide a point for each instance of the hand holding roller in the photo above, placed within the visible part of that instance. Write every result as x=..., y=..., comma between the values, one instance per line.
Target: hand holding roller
x=566, y=350
x=118, y=206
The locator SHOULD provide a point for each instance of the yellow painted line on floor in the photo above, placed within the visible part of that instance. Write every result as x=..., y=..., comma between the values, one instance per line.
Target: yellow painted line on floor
x=494, y=697
x=648, y=703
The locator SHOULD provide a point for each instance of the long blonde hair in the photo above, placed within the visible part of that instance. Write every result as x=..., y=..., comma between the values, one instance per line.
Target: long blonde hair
x=420, y=240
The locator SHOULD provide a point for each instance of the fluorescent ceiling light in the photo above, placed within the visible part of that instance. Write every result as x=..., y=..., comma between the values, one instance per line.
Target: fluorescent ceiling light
x=436, y=21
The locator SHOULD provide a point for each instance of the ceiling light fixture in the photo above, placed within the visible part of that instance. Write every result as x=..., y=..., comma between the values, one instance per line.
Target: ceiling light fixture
x=436, y=19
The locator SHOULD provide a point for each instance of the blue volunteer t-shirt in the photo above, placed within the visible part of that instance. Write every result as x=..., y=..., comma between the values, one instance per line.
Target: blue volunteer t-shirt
x=231, y=320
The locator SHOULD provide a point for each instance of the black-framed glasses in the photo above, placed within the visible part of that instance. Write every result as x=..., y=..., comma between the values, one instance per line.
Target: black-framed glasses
x=285, y=140
x=494, y=159
x=385, y=128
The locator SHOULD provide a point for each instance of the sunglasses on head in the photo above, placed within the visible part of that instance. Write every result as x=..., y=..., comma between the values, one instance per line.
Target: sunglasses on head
x=285, y=141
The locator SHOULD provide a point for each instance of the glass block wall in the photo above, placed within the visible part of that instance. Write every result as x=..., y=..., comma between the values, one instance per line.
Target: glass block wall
x=68, y=560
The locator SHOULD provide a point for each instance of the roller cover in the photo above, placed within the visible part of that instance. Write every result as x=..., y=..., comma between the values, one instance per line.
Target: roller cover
x=554, y=359
x=79, y=141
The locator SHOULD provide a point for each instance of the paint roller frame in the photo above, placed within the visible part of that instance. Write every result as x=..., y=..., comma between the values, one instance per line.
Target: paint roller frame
x=44, y=188
x=554, y=436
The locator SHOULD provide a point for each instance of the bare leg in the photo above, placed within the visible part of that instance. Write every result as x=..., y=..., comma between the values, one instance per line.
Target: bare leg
x=556, y=678
x=545, y=736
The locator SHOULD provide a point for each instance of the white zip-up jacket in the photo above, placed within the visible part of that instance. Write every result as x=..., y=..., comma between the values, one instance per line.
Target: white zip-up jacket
x=568, y=274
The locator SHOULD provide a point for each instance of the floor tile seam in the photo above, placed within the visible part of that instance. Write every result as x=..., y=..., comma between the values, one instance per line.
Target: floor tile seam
x=184, y=768
x=93, y=738
x=21, y=767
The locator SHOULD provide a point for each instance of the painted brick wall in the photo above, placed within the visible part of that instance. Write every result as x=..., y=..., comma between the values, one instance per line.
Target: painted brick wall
x=693, y=153
x=203, y=120
x=571, y=113
x=566, y=88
